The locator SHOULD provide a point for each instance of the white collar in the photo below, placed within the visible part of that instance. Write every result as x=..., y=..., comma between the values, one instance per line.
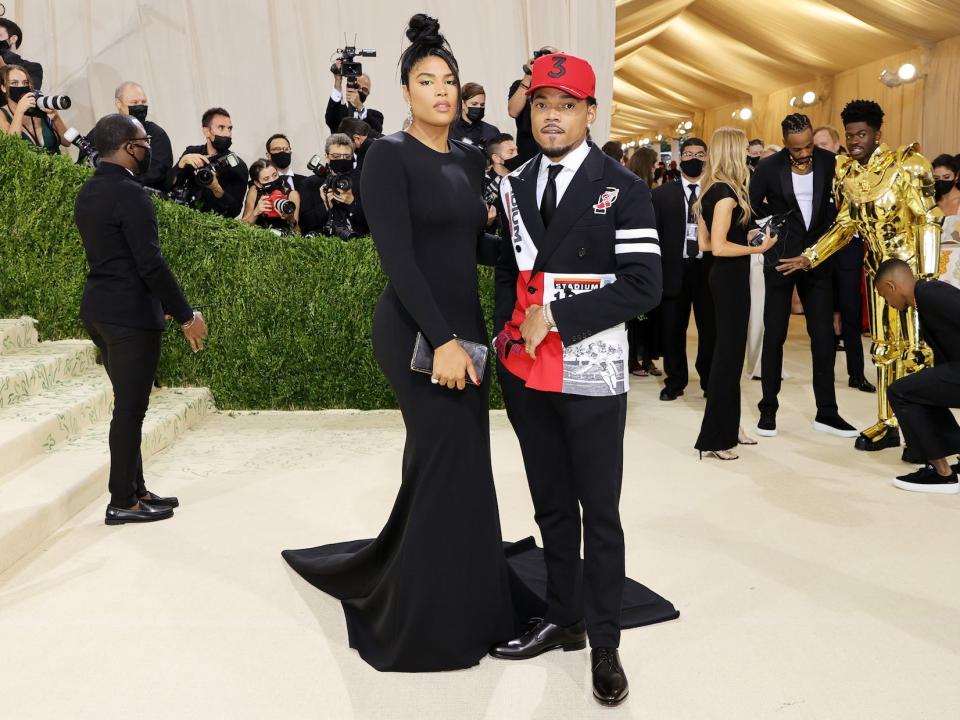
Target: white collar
x=572, y=161
x=687, y=182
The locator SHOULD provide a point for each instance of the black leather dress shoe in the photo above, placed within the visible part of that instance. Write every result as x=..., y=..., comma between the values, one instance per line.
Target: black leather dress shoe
x=863, y=385
x=541, y=638
x=667, y=395
x=170, y=502
x=891, y=438
x=609, y=681
x=146, y=513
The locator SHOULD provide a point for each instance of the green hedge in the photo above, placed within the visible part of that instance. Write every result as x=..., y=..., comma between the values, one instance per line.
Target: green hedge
x=289, y=317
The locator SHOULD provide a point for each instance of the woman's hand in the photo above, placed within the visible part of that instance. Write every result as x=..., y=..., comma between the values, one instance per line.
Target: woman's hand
x=263, y=205
x=27, y=102
x=452, y=365
x=768, y=242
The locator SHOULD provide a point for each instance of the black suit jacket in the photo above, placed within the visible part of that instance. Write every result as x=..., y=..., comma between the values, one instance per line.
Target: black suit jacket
x=161, y=156
x=337, y=111
x=314, y=214
x=129, y=282
x=669, y=204
x=584, y=239
x=771, y=193
x=938, y=306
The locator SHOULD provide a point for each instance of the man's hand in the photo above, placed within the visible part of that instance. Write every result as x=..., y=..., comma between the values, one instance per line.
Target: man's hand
x=353, y=98
x=327, y=197
x=216, y=188
x=533, y=330
x=194, y=160
x=491, y=213
x=791, y=265
x=343, y=196
x=196, y=331
x=337, y=77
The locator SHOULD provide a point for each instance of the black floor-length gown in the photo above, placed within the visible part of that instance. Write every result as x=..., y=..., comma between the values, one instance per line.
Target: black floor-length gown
x=437, y=588
x=730, y=287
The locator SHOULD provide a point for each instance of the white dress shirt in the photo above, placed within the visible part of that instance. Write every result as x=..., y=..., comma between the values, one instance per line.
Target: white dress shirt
x=685, y=183
x=571, y=163
x=337, y=97
x=803, y=189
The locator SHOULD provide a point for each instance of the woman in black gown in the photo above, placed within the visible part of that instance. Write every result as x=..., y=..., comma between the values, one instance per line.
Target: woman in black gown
x=437, y=588
x=724, y=216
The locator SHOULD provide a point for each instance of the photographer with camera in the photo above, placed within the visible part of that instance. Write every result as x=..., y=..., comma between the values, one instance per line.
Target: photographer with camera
x=131, y=99
x=359, y=132
x=331, y=198
x=500, y=149
x=29, y=114
x=270, y=203
x=470, y=127
x=11, y=38
x=281, y=155
x=210, y=177
x=351, y=102
x=518, y=107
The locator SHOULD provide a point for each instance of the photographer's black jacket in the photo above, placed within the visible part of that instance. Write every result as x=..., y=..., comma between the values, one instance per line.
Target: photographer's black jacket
x=314, y=214
x=129, y=283
x=771, y=193
x=337, y=111
x=232, y=180
x=161, y=159
x=478, y=134
x=34, y=69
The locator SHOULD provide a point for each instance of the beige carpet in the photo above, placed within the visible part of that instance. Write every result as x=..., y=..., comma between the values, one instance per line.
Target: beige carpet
x=808, y=586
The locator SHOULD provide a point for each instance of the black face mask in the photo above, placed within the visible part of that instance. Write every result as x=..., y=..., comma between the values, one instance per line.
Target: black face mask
x=15, y=94
x=221, y=143
x=277, y=184
x=281, y=159
x=139, y=112
x=692, y=168
x=475, y=114
x=942, y=187
x=513, y=163
x=362, y=95
x=752, y=161
x=4, y=46
x=143, y=164
x=341, y=165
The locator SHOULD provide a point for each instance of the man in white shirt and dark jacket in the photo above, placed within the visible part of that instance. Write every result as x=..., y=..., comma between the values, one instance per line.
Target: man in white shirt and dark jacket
x=797, y=183
x=580, y=257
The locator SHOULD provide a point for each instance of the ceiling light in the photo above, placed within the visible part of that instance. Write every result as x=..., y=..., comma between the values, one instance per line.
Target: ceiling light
x=688, y=125
x=793, y=101
x=809, y=97
x=659, y=137
x=746, y=113
x=907, y=72
x=682, y=131
x=623, y=146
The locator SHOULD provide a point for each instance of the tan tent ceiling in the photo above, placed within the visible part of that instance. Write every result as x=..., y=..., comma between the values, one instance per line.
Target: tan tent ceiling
x=675, y=58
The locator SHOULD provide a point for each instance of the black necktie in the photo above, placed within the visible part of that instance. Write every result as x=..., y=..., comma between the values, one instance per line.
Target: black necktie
x=693, y=248
x=548, y=204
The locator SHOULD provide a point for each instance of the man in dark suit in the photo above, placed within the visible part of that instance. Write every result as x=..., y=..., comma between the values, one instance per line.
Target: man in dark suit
x=580, y=257
x=686, y=270
x=359, y=132
x=11, y=38
x=128, y=291
x=922, y=400
x=281, y=155
x=351, y=104
x=797, y=183
x=131, y=99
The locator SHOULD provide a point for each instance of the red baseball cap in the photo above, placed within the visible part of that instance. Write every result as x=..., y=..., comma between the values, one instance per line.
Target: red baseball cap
x=565, y=72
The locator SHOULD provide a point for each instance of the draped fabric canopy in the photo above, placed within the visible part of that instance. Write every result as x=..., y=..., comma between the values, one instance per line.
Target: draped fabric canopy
x=678, y=60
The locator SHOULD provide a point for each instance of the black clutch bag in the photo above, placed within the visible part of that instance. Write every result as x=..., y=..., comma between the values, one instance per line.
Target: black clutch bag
x=422, y=360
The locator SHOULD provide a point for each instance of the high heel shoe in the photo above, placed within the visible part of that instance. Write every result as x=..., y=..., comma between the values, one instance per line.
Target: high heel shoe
x=717, y=454
x=744, y=439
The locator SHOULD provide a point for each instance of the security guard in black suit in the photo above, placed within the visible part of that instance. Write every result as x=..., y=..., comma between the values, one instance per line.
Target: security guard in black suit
x=128, y=292
x=923, y=400
x=580, y=257
x=686, y=272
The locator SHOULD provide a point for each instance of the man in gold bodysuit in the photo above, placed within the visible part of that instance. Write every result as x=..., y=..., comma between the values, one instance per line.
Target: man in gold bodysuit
x=887, y=198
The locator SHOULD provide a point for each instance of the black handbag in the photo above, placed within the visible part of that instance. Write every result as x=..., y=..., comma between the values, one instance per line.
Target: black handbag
x=422, y=360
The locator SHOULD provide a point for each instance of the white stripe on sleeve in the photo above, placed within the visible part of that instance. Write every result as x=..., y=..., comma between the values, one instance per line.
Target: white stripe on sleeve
x=636, y=233
x=637, y=248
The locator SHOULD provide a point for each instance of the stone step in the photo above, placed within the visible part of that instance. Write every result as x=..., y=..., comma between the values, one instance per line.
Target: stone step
x=29, y=370
x=45, y=492
x=39, y=422
x=18, y=333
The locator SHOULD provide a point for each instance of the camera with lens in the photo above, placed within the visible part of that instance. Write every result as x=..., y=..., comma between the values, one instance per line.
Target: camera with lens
x=536, y=54
x=48, y=102
x=332, y=181
x=207, y=173
x=775, y=224
x=350, y=69
x=280, y=203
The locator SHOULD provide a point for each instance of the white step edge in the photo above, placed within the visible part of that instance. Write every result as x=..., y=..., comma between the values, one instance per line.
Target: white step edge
x=28, y=371
x=18, y=333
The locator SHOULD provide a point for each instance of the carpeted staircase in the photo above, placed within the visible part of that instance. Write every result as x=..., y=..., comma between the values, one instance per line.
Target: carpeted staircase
x=55, y=406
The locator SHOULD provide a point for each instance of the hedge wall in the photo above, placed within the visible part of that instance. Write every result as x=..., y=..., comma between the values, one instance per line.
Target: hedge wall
x=289, y=317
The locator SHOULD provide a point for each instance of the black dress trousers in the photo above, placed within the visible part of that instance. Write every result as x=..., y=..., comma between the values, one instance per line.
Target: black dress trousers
x=572, y=449
x=675, y=318
x=922, y=403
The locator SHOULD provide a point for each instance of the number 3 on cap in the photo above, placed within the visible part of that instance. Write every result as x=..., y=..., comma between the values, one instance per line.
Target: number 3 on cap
x=558, y=69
